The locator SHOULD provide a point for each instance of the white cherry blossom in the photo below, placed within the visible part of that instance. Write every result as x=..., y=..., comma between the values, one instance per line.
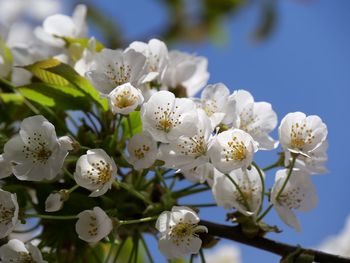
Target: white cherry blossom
x=143, y=151
x=298, y=194
x=200, y=174
x=18, y=252
x=156, y=53
x=224, y=254
x=36, y=152
x=167, y=118
x=246, y=198
x=178, y=232
x=216, y=102
x=189, y=151
x=93, y=225
x=301, y=134
x=12, y=10
x=124, y=99
x=84, y=63
x=232, y=149
x=5, y=167
x=59, y=25
x=54, y=202
x=186, y=71
x=8, y=213
x=113, y=68
x=315, y=163
x=95, y=171
x=256, y=118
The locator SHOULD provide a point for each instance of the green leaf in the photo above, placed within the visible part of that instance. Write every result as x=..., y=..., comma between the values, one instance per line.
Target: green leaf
x=40, y=70
x=80, y=82
x=136, y=124
x=84, y=42
x=11, y=98
x=37, y=96
x=64, y=97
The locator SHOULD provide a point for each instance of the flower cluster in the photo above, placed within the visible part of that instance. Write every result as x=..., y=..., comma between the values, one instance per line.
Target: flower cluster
x=145, y=127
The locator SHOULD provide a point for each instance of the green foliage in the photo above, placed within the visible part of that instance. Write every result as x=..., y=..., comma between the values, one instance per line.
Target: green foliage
x=60, y=80
x=136, y=126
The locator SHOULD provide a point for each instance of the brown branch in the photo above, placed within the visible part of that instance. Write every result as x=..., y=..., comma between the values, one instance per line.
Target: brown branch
x=234, y=233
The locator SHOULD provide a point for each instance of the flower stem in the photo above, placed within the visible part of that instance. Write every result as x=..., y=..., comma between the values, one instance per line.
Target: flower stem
x=265, y=213
x=52, y=217
x=202, y=255
x=148, y=252
x=136, y=221
x=281, y=190
x=132, y=191
x=245, y=202
x=201, y=205
x=120, y=247
x=130, y=126
x=262, y=185
x=288, y=176
x=75, y=187
x=181, y=193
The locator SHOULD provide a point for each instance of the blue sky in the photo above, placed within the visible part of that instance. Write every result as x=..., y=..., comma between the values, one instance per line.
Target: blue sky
x=304, y=66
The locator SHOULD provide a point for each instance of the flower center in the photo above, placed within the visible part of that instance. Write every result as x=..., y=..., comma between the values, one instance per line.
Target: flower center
x=166, y=118
x=101, y=172
x=236, y=151
x=292, y=198
x=210, y=107
x=120, y=76
x=37, y=149
x=182, y=232
x=140, y=152
x=6, y=214
x=125, y=99
x=194, y=145
x=25, y=257
x=300, y=136
x=92, y=226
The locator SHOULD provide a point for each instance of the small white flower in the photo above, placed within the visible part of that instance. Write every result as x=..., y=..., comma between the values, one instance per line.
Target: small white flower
x=247, y=198
x=12, y=10
x=156, y=53
x=166, y=118
x=18, y=252
x=124, y=99
x=200, y=174
x=59, y=25
x=189, y=151
x=84, y=63
x=95, y=171
x=113, y=68
x=8, y=212
x=314, y=164
x=224, y=254
x=93, y=225
x=299, y=194
x=143, y=151
x=256, y=118
x=54, y=202
x=301, y=134
x=178, y=232
x=232, y=149
x=36, y=152
x=5, y=167
x=187, y=72
x=215, y=101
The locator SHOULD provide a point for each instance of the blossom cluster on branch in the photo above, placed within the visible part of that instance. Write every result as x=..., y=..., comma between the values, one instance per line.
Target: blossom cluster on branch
x=114, y=169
